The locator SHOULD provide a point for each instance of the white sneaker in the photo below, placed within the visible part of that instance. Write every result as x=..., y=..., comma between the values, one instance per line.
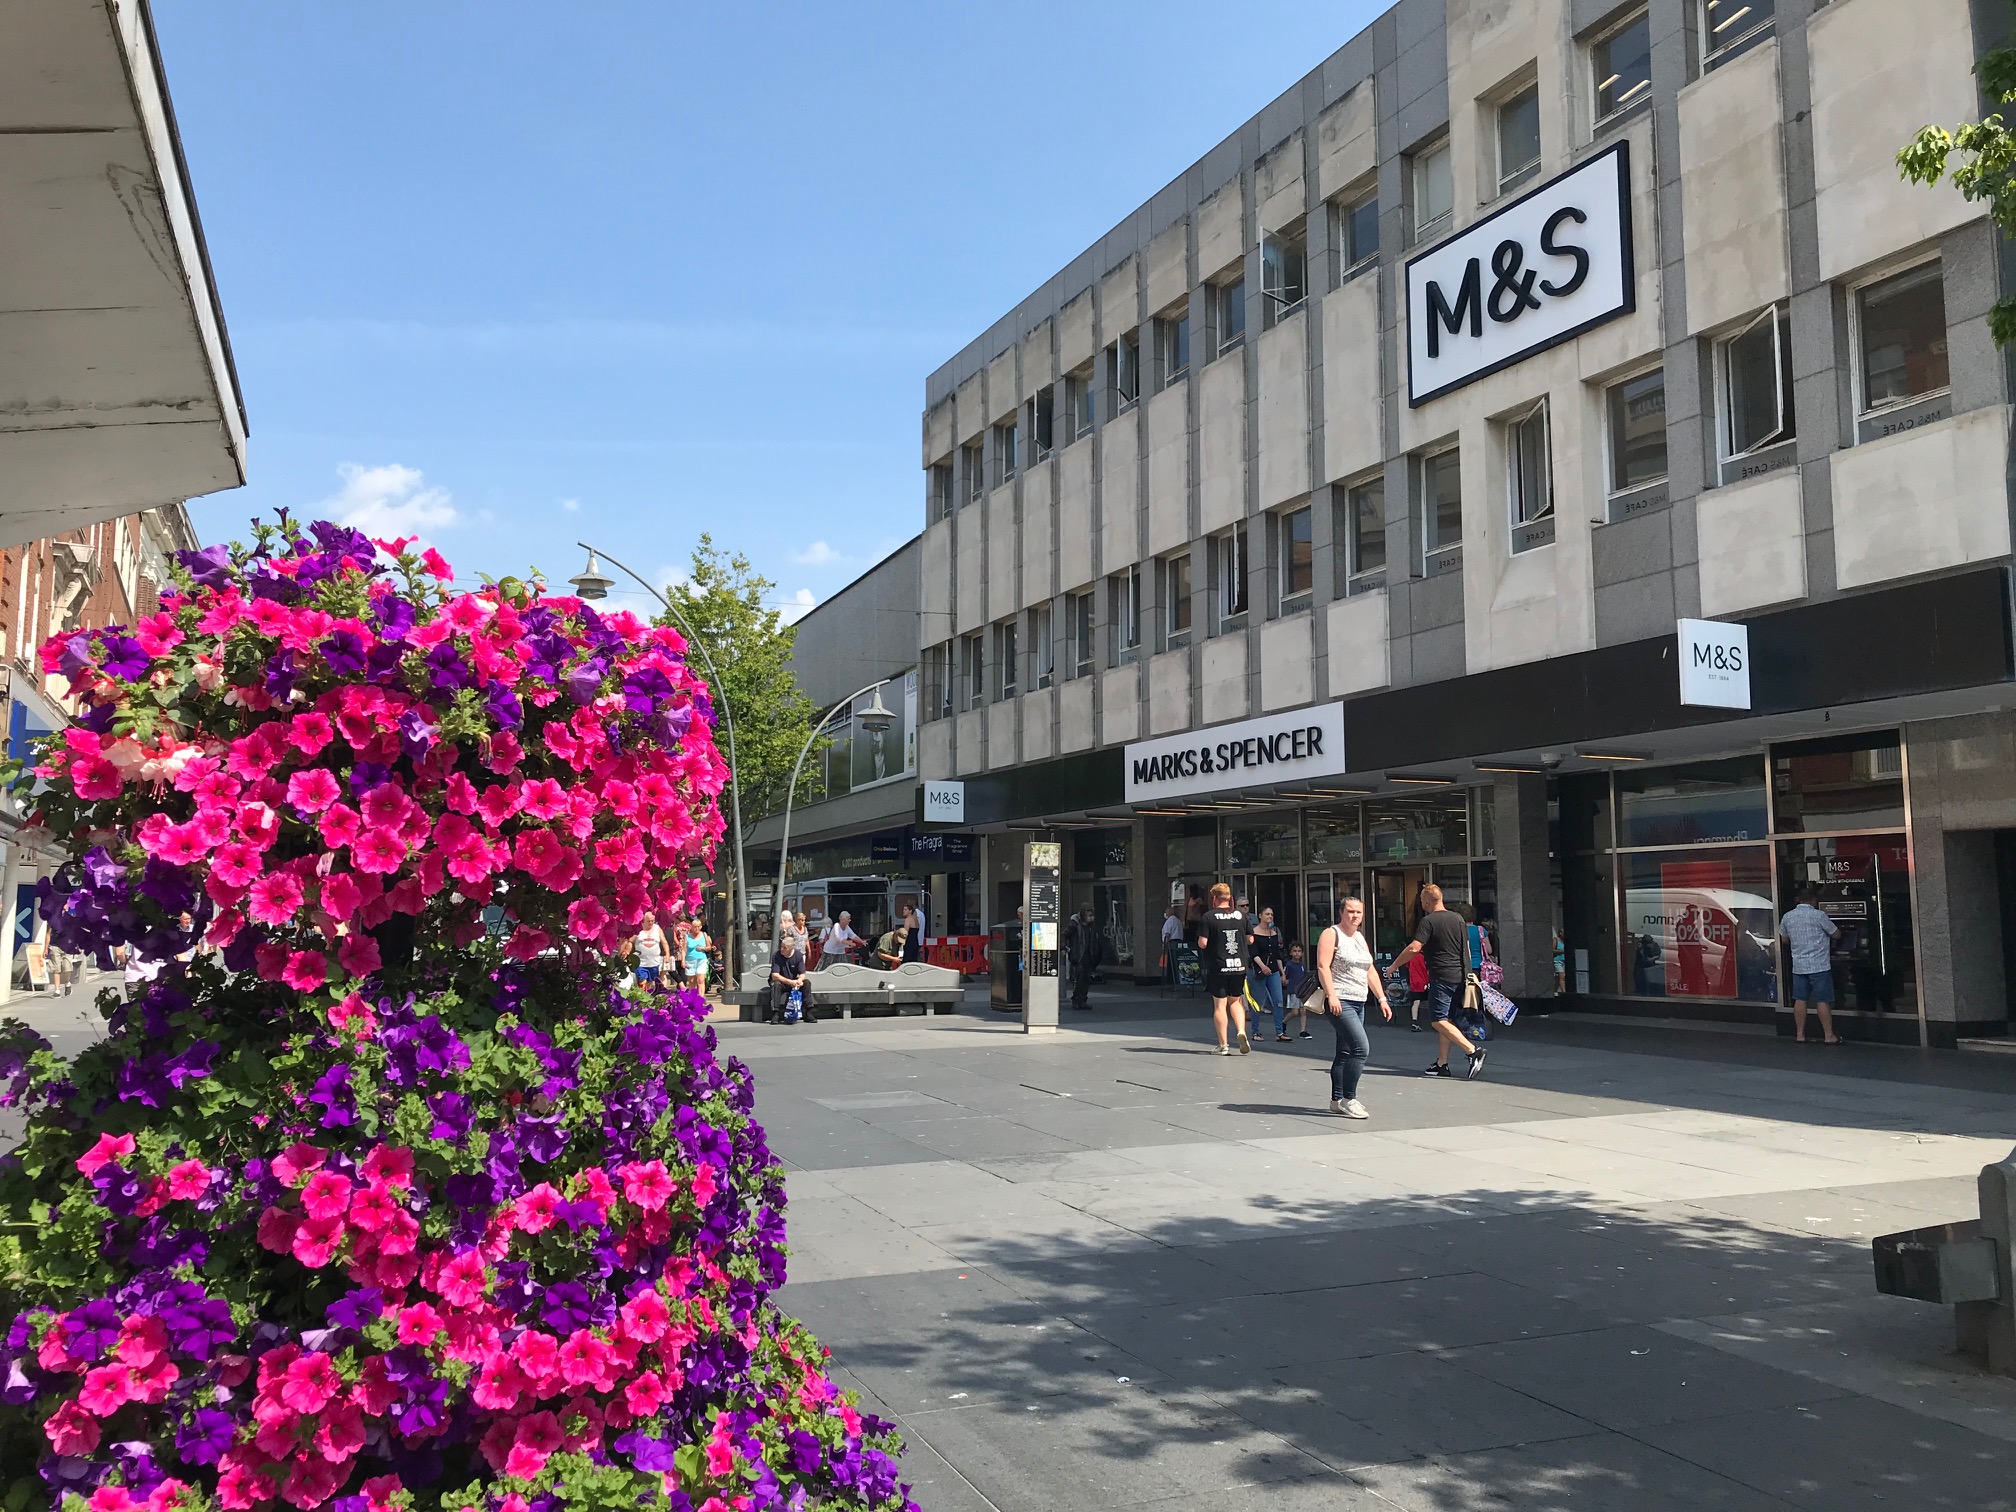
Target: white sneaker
x=1224, y=1049
x=1354, y=1109
x=1337, y=1108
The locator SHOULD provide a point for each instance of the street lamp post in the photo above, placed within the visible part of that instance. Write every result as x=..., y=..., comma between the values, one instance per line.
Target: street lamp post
x=591, y=584
x=874, y=717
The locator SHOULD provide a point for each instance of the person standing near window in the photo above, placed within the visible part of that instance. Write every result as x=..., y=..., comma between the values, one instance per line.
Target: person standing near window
x=1344, y=965
x=1221, y=937
x=1810, y=933
x=1265, y=958
x=1172, y=936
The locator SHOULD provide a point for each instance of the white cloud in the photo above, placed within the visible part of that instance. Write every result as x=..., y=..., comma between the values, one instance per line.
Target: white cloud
x=799, y=605
x=572, y=506
x=671, y=577
x=818, y=554
x=389, y=500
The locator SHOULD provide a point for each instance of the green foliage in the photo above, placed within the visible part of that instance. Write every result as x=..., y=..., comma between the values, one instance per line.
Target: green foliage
x=1989, y=174
x=723, y=600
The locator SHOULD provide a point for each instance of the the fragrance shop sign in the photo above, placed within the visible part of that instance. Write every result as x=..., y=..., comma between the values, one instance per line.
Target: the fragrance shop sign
x=1286, y=747
x=1546, y=268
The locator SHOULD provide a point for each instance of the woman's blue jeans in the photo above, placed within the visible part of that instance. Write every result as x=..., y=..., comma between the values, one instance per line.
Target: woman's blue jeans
x=1267, y=993
x=1353, y=1049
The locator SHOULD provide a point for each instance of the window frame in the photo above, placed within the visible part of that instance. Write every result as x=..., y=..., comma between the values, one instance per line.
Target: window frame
x=1612, y=491
x=1640, y=93
x=1356, y=576
x=1417, y=173
x=1081, y=396
x=1081, y=625
x=1438, y=556
x=1228, y=296
x=1042, y=424
x=1172, y=327
x=1177, y=610
x=1509, y=179
x=1347, y=206
x=1232, y=578
x=1858, y=335
x=972, y=672
x=1714, y=54
x=1779, y=315
x=1281, y=250
x=944, y=490
x=1007, y=449
x=973, y=457
x=1123, y=360
x=1527, y=532
x=1007, y=659
x=1042, y=650
x=1289, y=599
x=1123, y=601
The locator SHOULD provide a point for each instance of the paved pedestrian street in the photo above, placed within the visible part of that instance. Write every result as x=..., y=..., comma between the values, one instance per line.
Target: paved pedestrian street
x=1628, y=1269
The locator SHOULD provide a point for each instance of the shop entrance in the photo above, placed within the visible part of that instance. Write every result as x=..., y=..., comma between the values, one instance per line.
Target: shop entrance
x=1284, y=896
x=1396, y=906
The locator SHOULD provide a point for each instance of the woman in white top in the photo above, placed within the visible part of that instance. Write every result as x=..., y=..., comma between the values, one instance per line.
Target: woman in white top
x=1344, y=964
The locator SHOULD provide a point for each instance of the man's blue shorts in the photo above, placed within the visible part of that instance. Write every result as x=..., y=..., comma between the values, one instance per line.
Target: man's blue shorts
x=1443, y=998
x=1813, y=987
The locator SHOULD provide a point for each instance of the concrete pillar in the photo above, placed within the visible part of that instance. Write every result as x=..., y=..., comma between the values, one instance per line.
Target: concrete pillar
x=1525, y=895
x=1996, y=1320
x=1149, y=895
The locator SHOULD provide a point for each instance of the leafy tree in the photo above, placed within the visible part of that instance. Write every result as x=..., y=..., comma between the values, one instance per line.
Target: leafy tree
x=725, y=602
x=1989, y=174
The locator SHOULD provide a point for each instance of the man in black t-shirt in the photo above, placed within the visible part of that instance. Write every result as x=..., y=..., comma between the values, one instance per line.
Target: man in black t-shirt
x=1222, y=938
x=1444, y=940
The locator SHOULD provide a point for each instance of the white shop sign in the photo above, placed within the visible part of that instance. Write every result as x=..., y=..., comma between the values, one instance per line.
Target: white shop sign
x=1714, y=664
x=944, y=803
x=1547, y=267
x=1285, y=747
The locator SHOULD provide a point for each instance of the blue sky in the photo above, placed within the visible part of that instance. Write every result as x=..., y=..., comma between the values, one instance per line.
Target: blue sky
x=521, y=275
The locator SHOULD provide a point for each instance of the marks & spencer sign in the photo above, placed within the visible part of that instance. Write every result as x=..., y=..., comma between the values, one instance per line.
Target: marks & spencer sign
x=1285, y=747
x=1547, y=267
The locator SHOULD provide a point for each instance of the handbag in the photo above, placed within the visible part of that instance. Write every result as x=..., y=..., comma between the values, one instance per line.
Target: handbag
x=1310, y=993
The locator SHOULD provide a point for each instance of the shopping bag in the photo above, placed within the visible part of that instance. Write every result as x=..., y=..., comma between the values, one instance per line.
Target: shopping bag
x=1499, y=1006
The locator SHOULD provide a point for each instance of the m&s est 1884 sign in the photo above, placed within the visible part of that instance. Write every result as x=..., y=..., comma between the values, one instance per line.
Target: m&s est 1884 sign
x=1549, y=266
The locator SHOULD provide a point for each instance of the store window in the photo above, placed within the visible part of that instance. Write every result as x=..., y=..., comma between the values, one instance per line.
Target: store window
x=1700, y=924
x=1335, y=838
x=1410, y=829
x=1519, y=139
x=1863, y=885
x=1270, y=843
x=1856, y=783
x=1900, y=335
x=1621, y=61
x=1191, y=849
x=1699, y=802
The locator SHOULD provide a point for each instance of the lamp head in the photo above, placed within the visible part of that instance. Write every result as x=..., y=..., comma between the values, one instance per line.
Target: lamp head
x=875, y=718
x=590, y=583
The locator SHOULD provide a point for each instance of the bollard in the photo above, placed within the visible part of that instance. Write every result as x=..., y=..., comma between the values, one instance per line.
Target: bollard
x=1990, y=1327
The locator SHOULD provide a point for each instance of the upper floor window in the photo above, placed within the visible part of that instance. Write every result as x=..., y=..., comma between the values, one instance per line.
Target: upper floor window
x=1284, y=271
x=1043, y=421
x=1042, y=650
x=1007, y=661
x=1230, y=296
x=1294, y=560
x=972, y=671
x=1362, y=538
x=1229, y=550
x=1357, y=232
x=1530, y=478
x=1007, y=450
x=1519, y=138
x=1081, y=400
x=1175, y=590
x=943, y=498
x=1753, y=376
x=1441, y=517
x=972, y=462
x=1172, y=344
x=1900, y=338
x=1124, y=598
x=938, y=680
x=1635, y=416
x=1078, y=616
x=1123, y=361
x=1434, y=191
x=1730, y=26
x=1621, y=66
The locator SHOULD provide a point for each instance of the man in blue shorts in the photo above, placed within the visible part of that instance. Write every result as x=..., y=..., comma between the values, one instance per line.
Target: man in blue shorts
x=1444, y=940
x=1810, y=933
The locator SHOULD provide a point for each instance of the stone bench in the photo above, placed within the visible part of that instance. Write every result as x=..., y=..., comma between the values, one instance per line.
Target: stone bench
x=1964, y=1265
x=913, y=987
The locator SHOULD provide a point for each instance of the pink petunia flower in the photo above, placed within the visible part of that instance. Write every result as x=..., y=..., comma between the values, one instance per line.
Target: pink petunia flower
x=418, y=1324
x=110, y=1147
x=310, y=1382
x=237, y=863
x=648, y=1185
x=294, y=1164
x=326, y=1195
x=276, y=898
x=188, y=1181
x=378, y=851
x=341, y=896
x=360, y=955
x=317, y=1240
x=309, y=733
x=107, y=1388
x=71, y=1430
x=95, y=778
x=391, y=1164
x=313, y=790
x=587, y=918
x=306, y=970
x=341, y=825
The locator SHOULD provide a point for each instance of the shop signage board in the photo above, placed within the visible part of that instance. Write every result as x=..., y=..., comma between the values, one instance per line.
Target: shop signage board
x=1549, y=266
x=944, y=803
x=1291, y=746
x=1714, y=664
